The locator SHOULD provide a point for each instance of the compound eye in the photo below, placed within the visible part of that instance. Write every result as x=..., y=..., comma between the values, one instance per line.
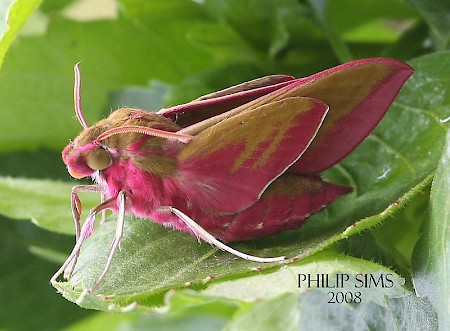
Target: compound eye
x=98, y=159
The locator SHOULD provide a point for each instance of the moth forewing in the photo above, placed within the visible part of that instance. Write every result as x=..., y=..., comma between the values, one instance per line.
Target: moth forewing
x=250, y=85
x=249, y=107
x=252, y=147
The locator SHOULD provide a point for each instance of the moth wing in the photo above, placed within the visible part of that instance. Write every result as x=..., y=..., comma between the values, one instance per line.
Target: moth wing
x=250, y=85
x=358, y=93
x=229, y=164
x=286, y=203
x=219, y=102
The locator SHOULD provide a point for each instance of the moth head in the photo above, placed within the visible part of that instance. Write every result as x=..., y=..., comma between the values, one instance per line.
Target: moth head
x=89, y=152
x=85, y=160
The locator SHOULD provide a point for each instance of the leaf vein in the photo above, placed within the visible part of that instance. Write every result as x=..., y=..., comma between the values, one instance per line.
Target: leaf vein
x=392, y=150
x=423, y=111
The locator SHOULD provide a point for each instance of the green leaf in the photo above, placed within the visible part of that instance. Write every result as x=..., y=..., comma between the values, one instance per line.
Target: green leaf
x=45, y=202
x=104, y=321
x=384, y=305
x=392, y=242
x=437, y=15
x=15, y=12
x=27, y=300
x=289, y=306
x=160, y=10
x=432, y=258
x=405, y=313
x=337, y=269
x=377, y=23
x=33, y=165
x=340, y=48
x=54, y=5
x=281, y=313
x=272, y=39
x=111, y=60
x=268, y=16
x=216, y=274
x=276, y=299
x=192, y=322
x=223, y=42
x=311, y=311
x=151, y=98
x=348, y=15
x=412, y=43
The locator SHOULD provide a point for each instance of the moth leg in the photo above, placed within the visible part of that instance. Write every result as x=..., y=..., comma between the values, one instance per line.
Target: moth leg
x=102, y=199
x=206, y=236
x=76, y=203
x=76, y=212
x=85, y=232
x=116, y=242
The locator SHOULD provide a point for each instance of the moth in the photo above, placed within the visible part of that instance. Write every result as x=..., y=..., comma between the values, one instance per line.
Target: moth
x=237, y=164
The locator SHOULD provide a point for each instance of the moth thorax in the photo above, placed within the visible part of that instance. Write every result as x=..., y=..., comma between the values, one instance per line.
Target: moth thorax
x=98, y=159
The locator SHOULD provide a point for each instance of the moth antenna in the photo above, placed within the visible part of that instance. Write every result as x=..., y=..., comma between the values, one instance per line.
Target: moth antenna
x=184, y=138
x=77, y=97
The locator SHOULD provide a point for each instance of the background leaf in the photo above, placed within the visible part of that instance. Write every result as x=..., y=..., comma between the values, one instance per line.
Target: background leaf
x=436, y=13
x=15, y=13
x=15, y=193
x=106, y=65
x=431, y=267
x=22, y=277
